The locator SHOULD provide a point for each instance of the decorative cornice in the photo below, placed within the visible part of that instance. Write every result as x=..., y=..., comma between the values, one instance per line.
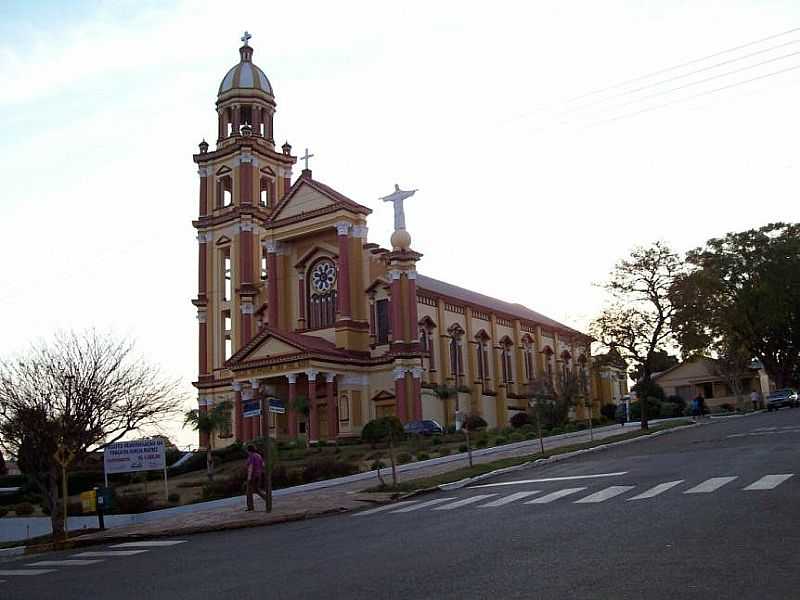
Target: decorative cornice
x=399, y=372
x=411, y=274
x=202, y=315
x=312, y=374
x=360, y=231
x=245, y=226
x=203, y=171
x=330, y=377
x=343, y=228
x=291, y=377
x=247, y=308
x=237, y=387
x=416, y=372
x=394, y=274
x=204, y=237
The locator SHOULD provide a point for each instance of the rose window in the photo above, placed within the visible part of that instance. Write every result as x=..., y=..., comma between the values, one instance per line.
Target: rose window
x=323, y=276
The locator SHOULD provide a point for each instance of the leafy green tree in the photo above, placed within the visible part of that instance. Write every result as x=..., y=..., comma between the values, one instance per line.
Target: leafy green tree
x=637, y=323
x=385, y=429
x=743, y=291
x=209, y=423
x=662, y=361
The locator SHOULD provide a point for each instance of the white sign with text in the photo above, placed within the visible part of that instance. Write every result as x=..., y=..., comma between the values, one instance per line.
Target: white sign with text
x=135, y=455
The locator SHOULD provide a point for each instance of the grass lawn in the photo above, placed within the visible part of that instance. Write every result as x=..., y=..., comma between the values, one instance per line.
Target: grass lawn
x=424, y=483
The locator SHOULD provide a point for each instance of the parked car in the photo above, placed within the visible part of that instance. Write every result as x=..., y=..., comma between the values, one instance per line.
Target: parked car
x=426, y=427
x=781, y=398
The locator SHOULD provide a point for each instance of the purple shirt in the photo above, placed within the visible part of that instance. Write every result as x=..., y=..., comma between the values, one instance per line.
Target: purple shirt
x=255, y=461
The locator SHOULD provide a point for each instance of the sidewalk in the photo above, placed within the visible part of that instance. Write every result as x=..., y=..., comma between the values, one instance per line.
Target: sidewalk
x=324, y=497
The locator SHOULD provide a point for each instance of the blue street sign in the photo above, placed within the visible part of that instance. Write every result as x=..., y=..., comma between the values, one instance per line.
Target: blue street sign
x=276, y=406
x=251, y=408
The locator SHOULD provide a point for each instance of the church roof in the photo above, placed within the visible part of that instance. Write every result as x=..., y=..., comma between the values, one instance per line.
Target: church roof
x=513, y=310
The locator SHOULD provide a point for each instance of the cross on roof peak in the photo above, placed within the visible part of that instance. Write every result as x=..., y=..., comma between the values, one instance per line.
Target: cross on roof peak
x=246, y=37
x=305, y=158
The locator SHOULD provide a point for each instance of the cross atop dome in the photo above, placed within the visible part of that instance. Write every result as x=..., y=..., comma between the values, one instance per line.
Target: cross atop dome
x=246, y=37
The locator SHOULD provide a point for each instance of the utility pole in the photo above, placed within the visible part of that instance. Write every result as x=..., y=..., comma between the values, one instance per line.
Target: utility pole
x=263, y=400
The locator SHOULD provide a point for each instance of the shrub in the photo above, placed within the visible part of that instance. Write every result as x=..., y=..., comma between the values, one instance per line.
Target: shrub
x=128, y=504
x=462, y=448
x=436, y=440
x=74, y=509
x=3, y=511
x=195, y=463
x=444, y=451
x=520, y=420
x=23, y=509
x=235, y=451
x=481, y=443
x=376, y=464
x=450, y=429
x=516, y=437
x=422, y=456
x=174, y=498
x=474, y=422
x=531, y=436
x=609, y=411
x=327, y=468
x=653, y=409
x=500, y=440
x=403, y=458
x=224, y=488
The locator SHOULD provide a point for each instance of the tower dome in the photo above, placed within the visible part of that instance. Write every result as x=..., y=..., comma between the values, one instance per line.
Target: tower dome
x=245, y=75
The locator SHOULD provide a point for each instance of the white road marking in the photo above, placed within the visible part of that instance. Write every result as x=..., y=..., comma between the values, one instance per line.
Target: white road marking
x=510, y=498
x=710, y=485
x=656, y=490
x=603, y=495
x=555, y=495
x=464, y=502
x=153, y=543
x=423, y=505
x=29, y=572
x=546, y=479
x=764, y=428
x=104, y=553
x=768, y=482
x=63, y=563
x=372, y=511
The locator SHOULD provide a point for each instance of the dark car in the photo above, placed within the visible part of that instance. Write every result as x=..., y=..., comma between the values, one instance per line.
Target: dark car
x=780, y=398
x=426, y=427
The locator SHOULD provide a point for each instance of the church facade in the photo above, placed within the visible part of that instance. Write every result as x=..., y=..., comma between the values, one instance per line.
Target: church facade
x=295, y=304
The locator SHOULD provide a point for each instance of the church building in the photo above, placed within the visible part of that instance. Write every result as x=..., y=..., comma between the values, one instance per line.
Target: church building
x=295, y=304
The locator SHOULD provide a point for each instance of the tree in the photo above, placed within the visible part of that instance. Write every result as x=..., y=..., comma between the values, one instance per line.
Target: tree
x=662, y=361
x=743, y=291
x=538, y=391
x=78, y=392
x=733, y=363
x=3, y=467
x=386, y=429
x=638, y=321
x=209, y=423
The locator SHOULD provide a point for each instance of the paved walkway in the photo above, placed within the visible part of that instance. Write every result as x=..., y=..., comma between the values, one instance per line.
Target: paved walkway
x=337, y=495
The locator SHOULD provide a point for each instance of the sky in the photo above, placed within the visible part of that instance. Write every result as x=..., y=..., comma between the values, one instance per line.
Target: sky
x=546, y=140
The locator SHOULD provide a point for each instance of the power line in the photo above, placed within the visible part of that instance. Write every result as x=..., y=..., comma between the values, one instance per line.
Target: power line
x=692, y=97
x=706, y=80
x=683, y=64
x=677, y=77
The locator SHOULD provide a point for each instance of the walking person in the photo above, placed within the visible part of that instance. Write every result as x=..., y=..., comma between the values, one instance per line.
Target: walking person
x=255, y=475
x=697, y=407
x=755, y=399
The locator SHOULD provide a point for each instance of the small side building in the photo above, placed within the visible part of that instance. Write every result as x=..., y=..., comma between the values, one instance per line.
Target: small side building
x=703, y=375
x=609, y=378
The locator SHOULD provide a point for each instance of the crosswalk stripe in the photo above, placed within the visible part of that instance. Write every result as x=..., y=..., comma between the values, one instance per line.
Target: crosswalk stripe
x=63, y=563
x=423, y=505
x=710, y=485
x=104, y=553
x=555, y=495
x=24, y=572
x=603, y=495
x=768, y=482
x=510, y=498
x=464, y=502
x=153, y=543
x=548, y=479
x=656, y=490
x=372, y=511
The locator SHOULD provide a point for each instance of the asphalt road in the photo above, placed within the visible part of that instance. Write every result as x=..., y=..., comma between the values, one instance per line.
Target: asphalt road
x=581, y=537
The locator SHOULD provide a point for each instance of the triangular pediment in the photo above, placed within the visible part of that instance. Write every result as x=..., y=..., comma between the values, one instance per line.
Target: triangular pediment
x=272, y=346
x=304, y=199
x=223, y=170
x=383, y=395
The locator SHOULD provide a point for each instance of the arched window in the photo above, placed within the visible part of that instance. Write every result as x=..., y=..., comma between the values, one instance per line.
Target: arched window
x=482, y=355
x=548, y=362
x=265, y=194
x=527, y=354
x=322, y=294
x=506, y=351
x=456, y=353
x=224, y=191
x=427, y=341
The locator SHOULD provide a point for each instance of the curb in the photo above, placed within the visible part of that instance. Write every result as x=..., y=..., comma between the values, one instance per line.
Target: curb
x=461, y=483
x=82, y=543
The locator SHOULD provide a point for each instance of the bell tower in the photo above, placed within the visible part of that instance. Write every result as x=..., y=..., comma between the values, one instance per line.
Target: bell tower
x=241, y=182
